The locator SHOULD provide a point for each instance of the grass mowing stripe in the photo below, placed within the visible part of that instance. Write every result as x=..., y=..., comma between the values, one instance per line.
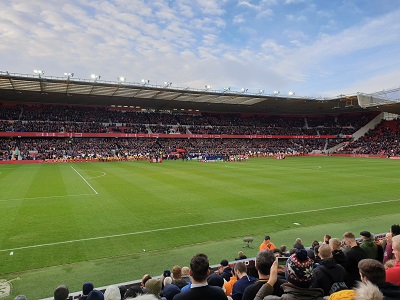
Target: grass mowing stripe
x=46, y=197
x=85, y=180
x=201, y=224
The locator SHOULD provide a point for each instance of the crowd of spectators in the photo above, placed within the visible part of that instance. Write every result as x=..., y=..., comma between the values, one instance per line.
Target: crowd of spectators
x=366, y=268
x=60, y=118
x=128, y=148
x=384, y=140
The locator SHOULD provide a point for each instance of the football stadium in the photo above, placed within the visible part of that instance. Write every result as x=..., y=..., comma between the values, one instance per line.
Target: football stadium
x=108, y=192
x=250, y=151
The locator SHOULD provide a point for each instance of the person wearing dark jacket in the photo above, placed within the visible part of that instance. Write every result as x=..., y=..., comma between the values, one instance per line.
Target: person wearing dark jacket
x=328, y=272
x=354, y=255
x=373, y=271
x=337, y=252
x=368, y=244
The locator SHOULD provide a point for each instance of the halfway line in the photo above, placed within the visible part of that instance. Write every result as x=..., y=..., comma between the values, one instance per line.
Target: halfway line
x=85, y=181
x=198, y=224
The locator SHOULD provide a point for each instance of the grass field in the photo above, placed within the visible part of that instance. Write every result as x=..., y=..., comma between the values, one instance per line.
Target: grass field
x=76, y=222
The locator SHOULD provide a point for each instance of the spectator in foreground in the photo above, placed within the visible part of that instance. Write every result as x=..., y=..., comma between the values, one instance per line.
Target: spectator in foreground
x=393, y=274
x=112, y=293
x=225, y=270
x=95, y=295
x=263, y=264
x=354, y=255
x=328, y=272
x=61, y=293
x=243, y=281
x=298, y=273
x=200, y=290
x=86, y=289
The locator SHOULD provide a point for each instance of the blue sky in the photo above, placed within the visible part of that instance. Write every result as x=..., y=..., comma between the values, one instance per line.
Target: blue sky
x=314, y=48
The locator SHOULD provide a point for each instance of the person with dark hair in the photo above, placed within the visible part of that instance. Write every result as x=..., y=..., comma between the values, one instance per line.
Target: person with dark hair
x=225, y=270
x=310, y=251
x=95, y=295
x=199, y=290
x=267, y=244
x=327, y=237
x=61, y=293
x=263, y=263
x=354, y=255
x=368, y=244
x=373, y=271
x=243, y=281
x=298, y=273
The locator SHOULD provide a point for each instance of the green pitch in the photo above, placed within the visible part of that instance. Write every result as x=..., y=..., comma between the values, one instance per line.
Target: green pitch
x=112, y=222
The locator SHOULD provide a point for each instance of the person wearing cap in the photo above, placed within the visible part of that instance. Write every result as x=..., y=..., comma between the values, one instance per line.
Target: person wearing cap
x=225, y=270
x=86, y=289
x=354, y=255
x=267, y=244
x=368, y=244
x=298, y=273
x=95, y=295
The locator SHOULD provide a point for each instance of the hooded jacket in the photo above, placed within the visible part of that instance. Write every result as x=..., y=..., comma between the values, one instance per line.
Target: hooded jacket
x=291, y=292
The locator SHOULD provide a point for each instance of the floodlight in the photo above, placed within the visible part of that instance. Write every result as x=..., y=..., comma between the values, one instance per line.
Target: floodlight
x=95, y=77
x=227, y=89
x=167, y=84
x=38, y=72
x=69, y=75
x=261, y=92
x=291, y=93
x=277, y=92
x=207, y=87
x=121, y=79
x=243, y=90
x=145, y=81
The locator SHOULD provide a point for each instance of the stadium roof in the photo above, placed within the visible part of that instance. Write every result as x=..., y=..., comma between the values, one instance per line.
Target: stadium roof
x=70, y=91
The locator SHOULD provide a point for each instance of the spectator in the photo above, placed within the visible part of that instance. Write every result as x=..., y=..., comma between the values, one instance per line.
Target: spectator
x=337, y=252
x=61, y=293
x=86, y=289
x=328, y=272
x=185, y=274
x=225, y=270
x=388, y=254
x=354, y=255
x=241, y=256
x=263, y=264
x=299, y=244
x=177, y=277
x=112, y=293
x=170, y=291
x=154, y=286
x=95, y=295
x=327, y=237
x=393, y=274
x=200, y=290
x=267, y=244
x=243, y=281
x=368, y=244
x=298, y=273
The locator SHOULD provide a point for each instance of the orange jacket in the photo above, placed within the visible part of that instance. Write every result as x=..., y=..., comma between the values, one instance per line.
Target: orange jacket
x=265, y=246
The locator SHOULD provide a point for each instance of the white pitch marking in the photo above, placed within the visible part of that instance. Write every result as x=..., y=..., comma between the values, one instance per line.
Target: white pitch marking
x=197, y=225
x=104, y=174
x=46, y=197
x=85, y=180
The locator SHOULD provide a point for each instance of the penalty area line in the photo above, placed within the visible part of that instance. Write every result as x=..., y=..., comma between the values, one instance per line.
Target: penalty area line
x=85, y=180
x=198, y=225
